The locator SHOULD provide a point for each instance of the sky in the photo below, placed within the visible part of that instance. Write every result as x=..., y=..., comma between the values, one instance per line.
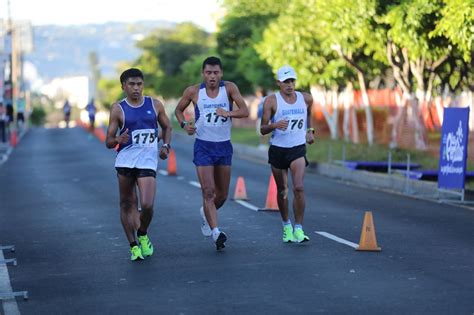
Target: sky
x=67, y=12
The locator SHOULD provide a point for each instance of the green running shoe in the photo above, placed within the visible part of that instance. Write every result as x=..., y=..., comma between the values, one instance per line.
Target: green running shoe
x=147, y=246
x=136, y=253
x=299, y=236
x=288, y=233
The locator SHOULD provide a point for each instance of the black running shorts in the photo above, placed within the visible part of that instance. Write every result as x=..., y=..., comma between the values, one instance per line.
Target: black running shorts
x=135, y=172
x=281, y=158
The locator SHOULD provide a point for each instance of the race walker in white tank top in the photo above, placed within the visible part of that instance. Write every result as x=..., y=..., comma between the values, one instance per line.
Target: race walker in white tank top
x=209, y=126
x=141, y=150
x=296, y=114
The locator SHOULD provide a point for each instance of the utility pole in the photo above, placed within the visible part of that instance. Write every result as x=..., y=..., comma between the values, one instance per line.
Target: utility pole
x=9, y=86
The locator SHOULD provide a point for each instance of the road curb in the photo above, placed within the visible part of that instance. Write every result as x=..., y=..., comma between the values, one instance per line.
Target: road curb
x=395, y=183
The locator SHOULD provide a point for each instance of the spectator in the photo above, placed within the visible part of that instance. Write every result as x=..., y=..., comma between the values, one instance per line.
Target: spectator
x=67, y=112
x=3, y=124
x=263, y=139
x=20, y=111
x=91, y=109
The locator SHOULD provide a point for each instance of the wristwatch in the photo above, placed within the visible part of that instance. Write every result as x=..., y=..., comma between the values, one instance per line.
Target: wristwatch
x=166, y=146
x=183, y=123
x=310, y=129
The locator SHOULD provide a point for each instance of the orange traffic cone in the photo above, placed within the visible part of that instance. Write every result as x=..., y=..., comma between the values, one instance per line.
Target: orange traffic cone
x=240, y=191
x=368, y=241
x=271, y=203
x=172, y=163
x=100, y=134
x=13, y=138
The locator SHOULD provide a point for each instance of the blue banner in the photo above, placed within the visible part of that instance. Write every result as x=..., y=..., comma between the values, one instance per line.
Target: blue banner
x=453, y=148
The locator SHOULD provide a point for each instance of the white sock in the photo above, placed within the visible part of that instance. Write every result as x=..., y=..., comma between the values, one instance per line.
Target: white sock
x=286, y=223
x=298, y=226
x=215, y=233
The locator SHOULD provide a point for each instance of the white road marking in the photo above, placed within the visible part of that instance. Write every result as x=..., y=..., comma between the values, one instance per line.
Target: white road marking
x=254, y=208
x=337, y=239
x=247, y=205
x=9, y=306
x=4, y=157
x=163, y=172
x=195, y=184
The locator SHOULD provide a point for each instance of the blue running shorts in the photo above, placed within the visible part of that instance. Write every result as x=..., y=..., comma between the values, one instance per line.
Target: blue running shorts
x=209, y=153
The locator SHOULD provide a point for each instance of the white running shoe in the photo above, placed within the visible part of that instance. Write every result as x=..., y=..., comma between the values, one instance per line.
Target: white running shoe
x=205, y=228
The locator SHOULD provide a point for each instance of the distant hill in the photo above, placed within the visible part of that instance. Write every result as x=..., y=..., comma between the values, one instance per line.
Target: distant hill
x=63, y=50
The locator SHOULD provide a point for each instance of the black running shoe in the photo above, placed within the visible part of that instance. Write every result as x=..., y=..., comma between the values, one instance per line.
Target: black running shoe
x=220, y=241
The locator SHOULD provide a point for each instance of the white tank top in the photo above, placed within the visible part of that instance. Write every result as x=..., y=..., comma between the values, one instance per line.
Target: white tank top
x=296, y=114
x=209, y=126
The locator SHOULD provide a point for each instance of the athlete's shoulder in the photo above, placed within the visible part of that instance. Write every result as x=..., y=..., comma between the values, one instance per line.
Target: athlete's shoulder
x=270, y=99
x=156, y=101
x=308, y=98
x=116, y=106
x=192, y=90
x=230, y=85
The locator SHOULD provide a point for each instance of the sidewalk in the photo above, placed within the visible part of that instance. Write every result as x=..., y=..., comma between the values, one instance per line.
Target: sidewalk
x=395, y=183
x=6, y=148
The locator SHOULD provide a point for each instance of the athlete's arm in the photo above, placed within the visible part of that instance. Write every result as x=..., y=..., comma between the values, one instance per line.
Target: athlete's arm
x=114, y=124
x=163, y=121
x=308, y=99
x=236, y=97
x=165, y=125
x=186, y=99
x=269, y=110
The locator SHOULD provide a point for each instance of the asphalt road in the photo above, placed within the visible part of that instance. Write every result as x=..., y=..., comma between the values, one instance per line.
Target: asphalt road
x=59, y=207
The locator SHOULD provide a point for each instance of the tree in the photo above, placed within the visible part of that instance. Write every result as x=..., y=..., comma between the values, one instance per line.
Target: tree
x=348, y=28
x=296, y=38
x=110, y=91
x=165, y=51
x=457, y=25
x=240, y=8
x=234, y=38
x=414, y=55
x=240, y=30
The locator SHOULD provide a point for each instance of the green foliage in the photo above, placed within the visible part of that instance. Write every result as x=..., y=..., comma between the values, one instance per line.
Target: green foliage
x=456, y=72
x=110, y=91
x=164, y=53
x=411, y=23
x=457, y=24
x=241, y=8
x=239, y=32
x=171, y=48
x=295, y=38
x=235, y=35
x=38, y=116
x=254, y=69
x=192, y=68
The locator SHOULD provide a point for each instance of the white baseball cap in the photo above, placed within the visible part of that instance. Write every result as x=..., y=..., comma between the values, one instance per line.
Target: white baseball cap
x=286, y=72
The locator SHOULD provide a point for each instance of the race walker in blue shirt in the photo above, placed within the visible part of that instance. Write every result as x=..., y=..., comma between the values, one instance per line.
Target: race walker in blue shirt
x=133, y=126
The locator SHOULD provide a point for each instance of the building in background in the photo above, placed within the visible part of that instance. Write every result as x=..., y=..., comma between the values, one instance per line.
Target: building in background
x=75, y=89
